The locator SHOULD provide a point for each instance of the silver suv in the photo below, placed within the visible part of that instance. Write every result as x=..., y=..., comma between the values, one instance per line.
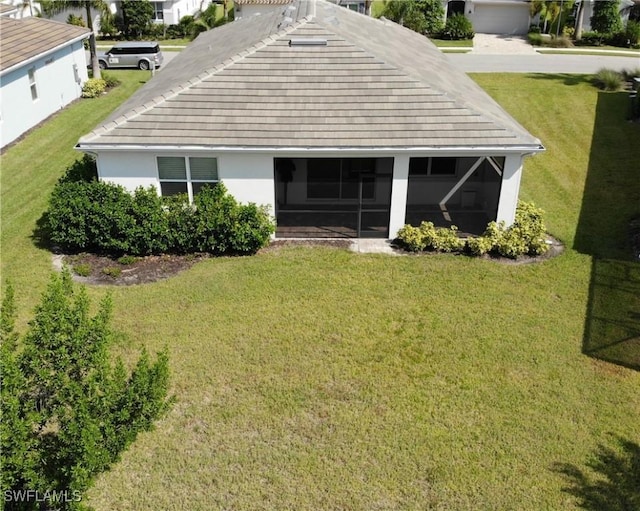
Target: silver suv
x=142, y=55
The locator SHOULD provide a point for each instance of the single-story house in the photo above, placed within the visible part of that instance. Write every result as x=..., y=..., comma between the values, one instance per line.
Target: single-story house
x=344, y=125
x=42, y=69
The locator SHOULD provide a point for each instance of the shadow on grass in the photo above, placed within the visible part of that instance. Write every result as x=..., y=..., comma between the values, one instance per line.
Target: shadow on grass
x=40, y=235
x=611, y=481
x=565, y=78
x=611, y=199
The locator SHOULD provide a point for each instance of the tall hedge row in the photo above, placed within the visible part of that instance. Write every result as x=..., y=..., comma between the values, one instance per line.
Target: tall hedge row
x=87, y=215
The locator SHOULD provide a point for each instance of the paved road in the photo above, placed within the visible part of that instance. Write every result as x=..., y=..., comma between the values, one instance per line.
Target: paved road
x=538, y=63
x=476, y=63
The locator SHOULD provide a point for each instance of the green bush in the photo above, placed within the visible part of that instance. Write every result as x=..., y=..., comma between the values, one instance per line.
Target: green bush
x=526, y=236
x=606, y=17
x=101, y=217
x=93, y=87
x=411, y=238
x=127, y=260
x=112, y=271
x=633, y=32
x=82, y=269
x=429, y=237
x=535, y=38
x=110, y=80
x=458, y=27
x=608, y=79
x=592, y=39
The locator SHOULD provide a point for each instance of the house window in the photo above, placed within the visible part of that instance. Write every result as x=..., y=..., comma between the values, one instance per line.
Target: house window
x=432, y=166
x=178, y=174
x=32, y=83
x=158, y=13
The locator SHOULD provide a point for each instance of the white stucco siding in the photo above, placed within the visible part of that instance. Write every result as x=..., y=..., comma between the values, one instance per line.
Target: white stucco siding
x=510, y=189
x=249, y=178
x=58, y=81
x=130, y=170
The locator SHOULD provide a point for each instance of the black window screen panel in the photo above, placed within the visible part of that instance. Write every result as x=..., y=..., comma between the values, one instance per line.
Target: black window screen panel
x=418, y=166
x=443, y=166
x=323, y=178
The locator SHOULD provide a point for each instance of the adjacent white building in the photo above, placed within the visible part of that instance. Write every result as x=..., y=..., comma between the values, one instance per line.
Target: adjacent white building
x=42, y=69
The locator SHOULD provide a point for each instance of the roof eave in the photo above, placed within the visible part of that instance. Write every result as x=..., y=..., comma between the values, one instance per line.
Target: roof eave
x=463, y=150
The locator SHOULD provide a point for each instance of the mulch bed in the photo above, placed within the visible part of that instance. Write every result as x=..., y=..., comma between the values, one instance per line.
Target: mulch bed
x=107, y=270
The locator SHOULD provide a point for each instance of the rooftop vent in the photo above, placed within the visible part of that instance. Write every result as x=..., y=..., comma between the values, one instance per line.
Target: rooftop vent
x=308, y=41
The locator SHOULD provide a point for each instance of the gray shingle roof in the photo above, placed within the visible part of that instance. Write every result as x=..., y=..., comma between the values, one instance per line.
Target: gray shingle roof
x=23, y=39
x=374, y=84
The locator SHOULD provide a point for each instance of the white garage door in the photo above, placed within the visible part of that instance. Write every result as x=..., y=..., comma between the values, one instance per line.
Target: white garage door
x=501, y=19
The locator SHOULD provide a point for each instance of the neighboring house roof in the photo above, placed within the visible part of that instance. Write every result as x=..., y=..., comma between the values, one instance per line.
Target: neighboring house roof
x=374, y=84
x=25, y=39
x=7, y=9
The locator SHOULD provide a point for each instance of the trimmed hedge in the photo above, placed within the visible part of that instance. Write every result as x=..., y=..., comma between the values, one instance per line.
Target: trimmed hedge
x=527, y=236
x=87, y=215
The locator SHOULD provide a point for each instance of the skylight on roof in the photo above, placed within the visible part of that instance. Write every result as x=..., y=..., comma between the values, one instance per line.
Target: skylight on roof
x=307, y=41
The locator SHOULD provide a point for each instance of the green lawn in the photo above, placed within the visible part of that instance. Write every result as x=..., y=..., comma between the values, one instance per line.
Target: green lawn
x=463, y=43
x=316, y=378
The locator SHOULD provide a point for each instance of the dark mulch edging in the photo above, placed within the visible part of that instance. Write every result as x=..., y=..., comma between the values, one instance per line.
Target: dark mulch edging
x=105, y=270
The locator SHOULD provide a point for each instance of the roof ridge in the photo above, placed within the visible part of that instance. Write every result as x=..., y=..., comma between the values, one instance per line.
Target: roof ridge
x=152, y=103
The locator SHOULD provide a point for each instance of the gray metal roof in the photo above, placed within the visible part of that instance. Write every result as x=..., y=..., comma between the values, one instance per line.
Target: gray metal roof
x=374, y=84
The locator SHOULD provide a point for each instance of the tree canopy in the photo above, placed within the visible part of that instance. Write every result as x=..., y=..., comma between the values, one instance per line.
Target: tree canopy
x=67, y=411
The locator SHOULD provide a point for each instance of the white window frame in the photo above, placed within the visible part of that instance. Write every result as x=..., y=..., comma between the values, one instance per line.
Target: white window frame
x=33, y=86
x=158, y=12
x=188, y=180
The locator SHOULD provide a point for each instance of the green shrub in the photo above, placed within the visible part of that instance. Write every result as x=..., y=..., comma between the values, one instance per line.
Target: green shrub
x=458, y=27
x=592, y=39
x=149, y=227
x=479, y=245
x=411, y=238
x=93, y=87
x=112, y=271
x=82, y=269
x=101, y=217
x=630, y=74
x=608, y=79
x=429, y=237
x=126, y=260
x=534, y=29
x=606, y=17
x=535, y=38
x=526, y=236
x=110, y=80
x=84, y=169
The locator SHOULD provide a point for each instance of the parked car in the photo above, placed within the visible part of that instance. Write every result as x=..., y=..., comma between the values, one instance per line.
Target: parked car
x=142, y=55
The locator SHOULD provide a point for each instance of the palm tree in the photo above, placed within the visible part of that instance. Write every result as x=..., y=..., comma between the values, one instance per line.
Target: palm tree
x=51, y=7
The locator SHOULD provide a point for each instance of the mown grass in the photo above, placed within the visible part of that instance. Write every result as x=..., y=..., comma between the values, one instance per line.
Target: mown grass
x=29, y=170
x=316, y=378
